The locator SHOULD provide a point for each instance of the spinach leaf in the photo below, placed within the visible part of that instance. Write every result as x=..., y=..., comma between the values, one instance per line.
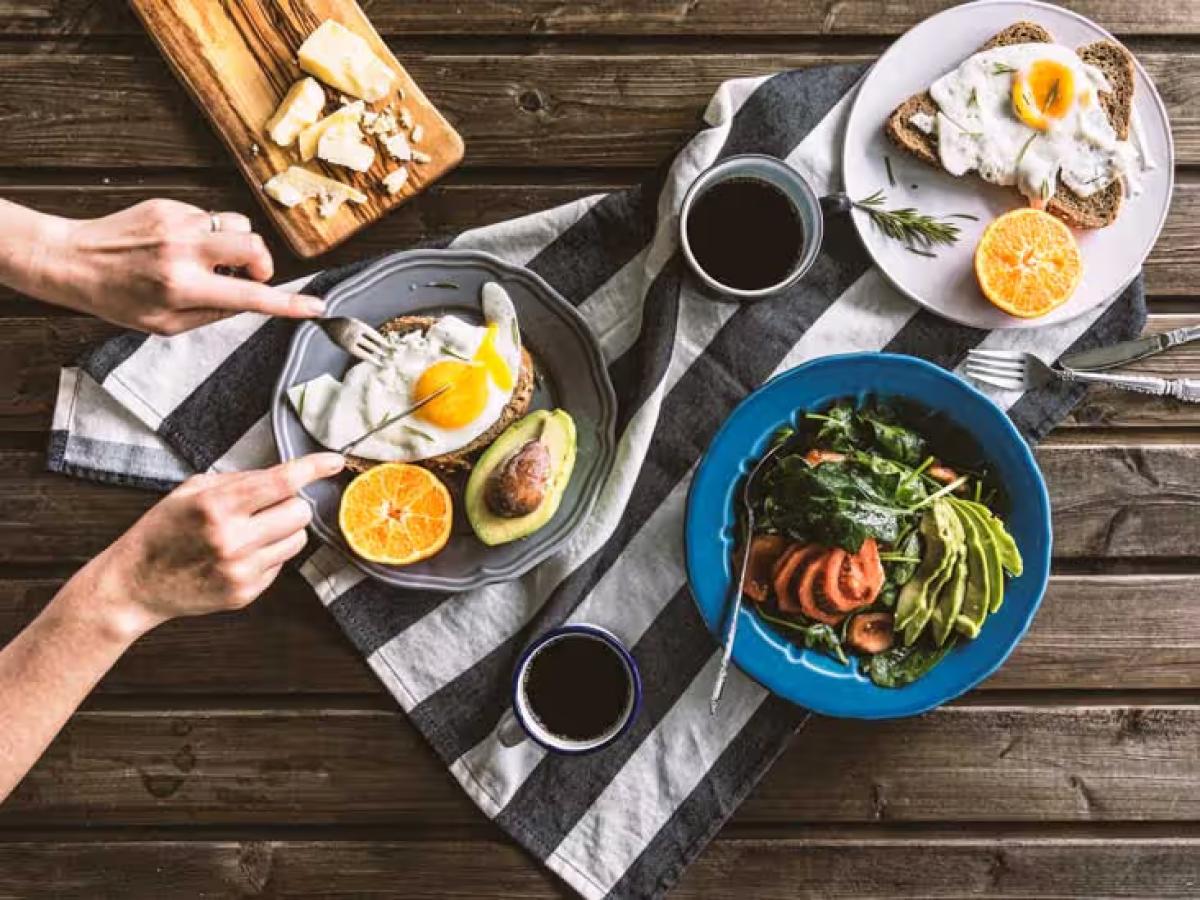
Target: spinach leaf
x=816, y=636
x=888, y=594
x=891, y=478
x=835, y=504
x=890, y=437
x=839, y=428
x=899, y=573
x=904, y=665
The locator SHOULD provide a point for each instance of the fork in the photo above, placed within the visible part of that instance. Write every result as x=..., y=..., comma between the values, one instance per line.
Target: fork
x=1014, y=370
x=356, y=337
x=746, y=506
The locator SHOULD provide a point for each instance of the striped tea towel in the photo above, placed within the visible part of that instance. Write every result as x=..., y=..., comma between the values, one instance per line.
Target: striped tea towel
x=625, y=821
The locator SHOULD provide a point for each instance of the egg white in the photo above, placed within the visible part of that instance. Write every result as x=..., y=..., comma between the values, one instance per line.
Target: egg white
x=977, y=129
x=336, y=412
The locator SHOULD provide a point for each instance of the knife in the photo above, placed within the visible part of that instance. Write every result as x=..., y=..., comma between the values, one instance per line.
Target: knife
x=392, y=420
x=1128, y=351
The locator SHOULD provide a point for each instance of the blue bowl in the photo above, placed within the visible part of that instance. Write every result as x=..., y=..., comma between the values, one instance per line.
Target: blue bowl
x=809, y=677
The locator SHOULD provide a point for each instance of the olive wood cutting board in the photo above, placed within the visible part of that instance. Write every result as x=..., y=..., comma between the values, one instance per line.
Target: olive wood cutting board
x=237, y=60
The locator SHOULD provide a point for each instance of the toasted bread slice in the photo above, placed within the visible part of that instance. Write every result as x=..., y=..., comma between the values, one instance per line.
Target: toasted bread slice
x=463, y=458
x=1096, y=211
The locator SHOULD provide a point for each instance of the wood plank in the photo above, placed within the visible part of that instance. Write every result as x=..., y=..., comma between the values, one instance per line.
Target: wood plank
x=1109, y=501
x=63, y=18
x=450, y=207
x=286, y=643
x=239, y=61
x=820, y=864
x=578, y=109
x=33, y=349
x=446, y=209
x=964, y=763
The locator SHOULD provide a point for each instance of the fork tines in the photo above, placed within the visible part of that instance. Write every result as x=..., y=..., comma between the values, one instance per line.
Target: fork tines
x=1004, y=369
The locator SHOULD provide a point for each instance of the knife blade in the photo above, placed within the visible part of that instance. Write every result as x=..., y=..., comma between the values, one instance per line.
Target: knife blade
x=1128, y=351
x=392, y=420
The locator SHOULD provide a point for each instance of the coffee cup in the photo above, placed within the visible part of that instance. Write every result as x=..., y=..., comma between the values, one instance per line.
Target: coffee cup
x=575, y=689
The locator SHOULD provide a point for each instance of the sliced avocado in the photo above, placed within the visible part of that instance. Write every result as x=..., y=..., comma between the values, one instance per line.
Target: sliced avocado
x=991, y=557
x=518, y=482
x=918, y=622
x=1010, y=557
x=977, y=596
x=940, y=529
x=950, y=598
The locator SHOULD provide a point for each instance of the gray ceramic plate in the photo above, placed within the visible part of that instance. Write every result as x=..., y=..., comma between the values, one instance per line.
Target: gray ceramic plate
x=574, y=378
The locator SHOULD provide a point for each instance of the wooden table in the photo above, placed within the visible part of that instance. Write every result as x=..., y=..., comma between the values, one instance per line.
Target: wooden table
x=256, y=754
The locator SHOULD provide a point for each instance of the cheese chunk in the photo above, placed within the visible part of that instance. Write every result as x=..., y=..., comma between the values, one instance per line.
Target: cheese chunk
x=298, y=184
x=300, y=108
x=341, y=58
x=310, y=137
x=342, y=145
x=395, y=180
x=397, y=146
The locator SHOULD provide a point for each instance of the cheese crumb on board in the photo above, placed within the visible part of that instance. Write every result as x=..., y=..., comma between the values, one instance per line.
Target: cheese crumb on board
x=395, y=180
x=420, y=156
x=406, y=118
x=310, y=137
x=300, y=108
x=344, y=60
x=342, y=145
x=397, y=147
x=297, y=184
x=417, y=134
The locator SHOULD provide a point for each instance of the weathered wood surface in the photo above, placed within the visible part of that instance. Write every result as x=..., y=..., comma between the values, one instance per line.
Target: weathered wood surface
x=1115, y=632
x=820, y=864
x=524, y=110
x=1125, y=501
x=334, y=766
x=33, y=349
x=70, y=18
x=1173, y=268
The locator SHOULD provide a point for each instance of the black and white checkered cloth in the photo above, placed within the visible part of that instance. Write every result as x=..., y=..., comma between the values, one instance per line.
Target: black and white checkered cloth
x=623, y=822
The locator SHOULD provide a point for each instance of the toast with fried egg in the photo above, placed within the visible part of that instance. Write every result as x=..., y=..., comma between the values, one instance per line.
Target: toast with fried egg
x=462, y=458
x=1097, y=210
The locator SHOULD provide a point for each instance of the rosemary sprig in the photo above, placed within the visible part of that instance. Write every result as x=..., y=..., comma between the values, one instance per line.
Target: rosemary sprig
x=1002, y=69
x=963, y=216
x=960, y=128
x=973, y=100
x=887, y=164
x=1052, y=96
x=914, y=229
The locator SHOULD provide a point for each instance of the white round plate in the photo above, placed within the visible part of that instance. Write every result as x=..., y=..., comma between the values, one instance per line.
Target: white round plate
x=946, y=285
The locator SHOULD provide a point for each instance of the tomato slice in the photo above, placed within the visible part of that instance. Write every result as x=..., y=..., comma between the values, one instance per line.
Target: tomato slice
x=785, y=573
x=765, y=550
x=809, y=590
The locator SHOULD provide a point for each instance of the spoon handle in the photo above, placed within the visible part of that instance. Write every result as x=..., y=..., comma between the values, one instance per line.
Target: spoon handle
x=734, y=615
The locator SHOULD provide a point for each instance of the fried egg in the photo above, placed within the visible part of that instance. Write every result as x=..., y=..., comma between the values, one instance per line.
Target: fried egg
x=1029, y=115
x=479, y=364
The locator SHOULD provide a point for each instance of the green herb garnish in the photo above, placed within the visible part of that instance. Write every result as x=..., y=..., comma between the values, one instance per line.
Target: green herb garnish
x=418, y=432
x=1002, y=69
x=907, y=225
x=887, y=163
x=1025, y=146
x=973, y=100
x=817, y=636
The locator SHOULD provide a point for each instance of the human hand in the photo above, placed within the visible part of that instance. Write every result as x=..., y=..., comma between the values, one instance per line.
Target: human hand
x=153, y=267
x=214, y=543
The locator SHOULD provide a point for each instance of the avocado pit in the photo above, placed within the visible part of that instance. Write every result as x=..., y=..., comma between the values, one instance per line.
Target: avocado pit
x=518, y=485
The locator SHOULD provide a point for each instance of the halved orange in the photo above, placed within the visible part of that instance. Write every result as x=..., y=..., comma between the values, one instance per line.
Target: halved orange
x=1028, y=263
x=396, y=514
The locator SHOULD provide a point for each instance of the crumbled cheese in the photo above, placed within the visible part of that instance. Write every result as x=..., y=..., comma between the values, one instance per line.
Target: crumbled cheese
x=420, y=156
x=397, y=147
x=395, y=180
x=417, y=133
x=406, y=118
x=923, y=122
x=380, y=124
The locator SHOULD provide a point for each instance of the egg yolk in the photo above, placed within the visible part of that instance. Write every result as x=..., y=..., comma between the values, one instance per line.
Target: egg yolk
x=1045, y=91
x=468, y=394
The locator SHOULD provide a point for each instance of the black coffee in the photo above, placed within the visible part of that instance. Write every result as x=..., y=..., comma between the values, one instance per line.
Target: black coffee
x=745, y=233
x=577, y=687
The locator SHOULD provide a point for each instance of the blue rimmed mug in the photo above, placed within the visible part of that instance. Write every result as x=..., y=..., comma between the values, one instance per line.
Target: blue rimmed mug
x=521, y=722
x=809, y=209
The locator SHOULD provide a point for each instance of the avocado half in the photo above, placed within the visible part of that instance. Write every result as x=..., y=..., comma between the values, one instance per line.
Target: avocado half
x=555, y=429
